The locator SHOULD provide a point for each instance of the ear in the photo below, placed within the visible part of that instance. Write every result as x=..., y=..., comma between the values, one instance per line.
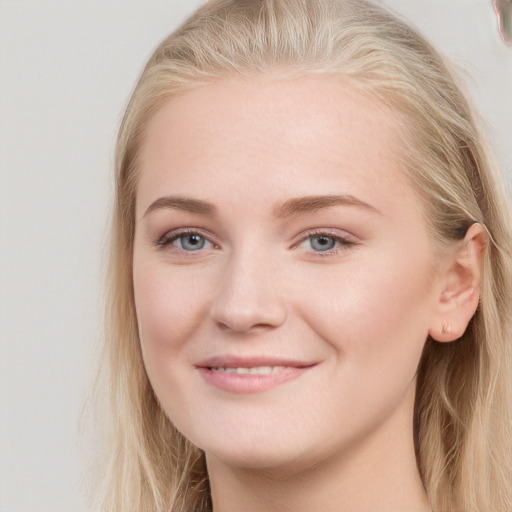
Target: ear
x=460, y=286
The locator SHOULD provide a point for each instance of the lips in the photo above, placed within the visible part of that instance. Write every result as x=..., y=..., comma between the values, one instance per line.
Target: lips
x=231, y=361
x=236, y=374
x=255, y=370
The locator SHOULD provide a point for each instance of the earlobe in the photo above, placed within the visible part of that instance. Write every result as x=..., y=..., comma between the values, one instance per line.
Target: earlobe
x=460, y=291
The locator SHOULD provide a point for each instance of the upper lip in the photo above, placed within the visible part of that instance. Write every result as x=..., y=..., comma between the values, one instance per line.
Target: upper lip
x=232, y=361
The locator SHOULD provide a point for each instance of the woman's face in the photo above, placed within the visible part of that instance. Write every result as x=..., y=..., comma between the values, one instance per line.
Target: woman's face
x=284, y=279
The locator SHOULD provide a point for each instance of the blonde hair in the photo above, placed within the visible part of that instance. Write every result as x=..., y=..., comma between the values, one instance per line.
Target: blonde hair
x=463, y=418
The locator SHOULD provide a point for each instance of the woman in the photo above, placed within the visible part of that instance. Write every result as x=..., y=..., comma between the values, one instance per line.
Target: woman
x=310, y=274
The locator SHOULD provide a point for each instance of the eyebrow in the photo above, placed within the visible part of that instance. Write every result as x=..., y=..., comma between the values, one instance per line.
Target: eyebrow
x=289, y=208
x=182, y=203
x=316, y=203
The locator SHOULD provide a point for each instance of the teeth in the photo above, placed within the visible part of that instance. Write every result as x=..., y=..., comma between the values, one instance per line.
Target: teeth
x=256, y=370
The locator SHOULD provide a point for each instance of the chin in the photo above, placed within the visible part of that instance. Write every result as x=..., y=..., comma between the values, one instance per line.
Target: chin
x=249, y=453
x=276, y=465
x=274, y=456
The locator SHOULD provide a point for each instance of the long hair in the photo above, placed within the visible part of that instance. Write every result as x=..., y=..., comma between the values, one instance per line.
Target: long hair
x=462, y=416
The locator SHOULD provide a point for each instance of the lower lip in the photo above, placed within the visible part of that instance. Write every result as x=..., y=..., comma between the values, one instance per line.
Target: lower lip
x=250, y=383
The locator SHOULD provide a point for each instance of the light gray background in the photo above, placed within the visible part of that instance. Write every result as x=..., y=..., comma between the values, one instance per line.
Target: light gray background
x=66, y=72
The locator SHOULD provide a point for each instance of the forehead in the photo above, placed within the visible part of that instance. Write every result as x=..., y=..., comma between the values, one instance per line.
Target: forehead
x=280, y=135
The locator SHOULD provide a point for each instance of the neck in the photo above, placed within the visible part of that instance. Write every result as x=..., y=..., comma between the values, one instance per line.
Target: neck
x=377, y=474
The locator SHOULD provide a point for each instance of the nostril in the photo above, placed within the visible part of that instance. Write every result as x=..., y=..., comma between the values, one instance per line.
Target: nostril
x=244, y=325
x=248, y=316
x=249, y=296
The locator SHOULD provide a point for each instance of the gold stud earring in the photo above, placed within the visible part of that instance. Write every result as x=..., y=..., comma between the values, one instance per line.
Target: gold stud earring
x=447, y=328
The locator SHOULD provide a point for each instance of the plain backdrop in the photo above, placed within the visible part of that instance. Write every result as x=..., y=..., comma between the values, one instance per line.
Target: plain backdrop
x=66, y=72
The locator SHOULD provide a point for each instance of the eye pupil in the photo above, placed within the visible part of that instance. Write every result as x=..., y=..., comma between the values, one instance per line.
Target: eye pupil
x=322, y=243
x=192, y=242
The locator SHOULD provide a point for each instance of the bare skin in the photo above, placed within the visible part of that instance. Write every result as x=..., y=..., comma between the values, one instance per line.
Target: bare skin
x=277, y=233
x=343, y=484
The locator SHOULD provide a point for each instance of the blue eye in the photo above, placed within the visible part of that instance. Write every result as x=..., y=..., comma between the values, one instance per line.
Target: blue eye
x=190, y=242
x=321, y=243
x=185, y=241
x=326, y=243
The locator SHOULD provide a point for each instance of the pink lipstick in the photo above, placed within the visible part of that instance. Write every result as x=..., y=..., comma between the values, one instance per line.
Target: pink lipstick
x=236, y=374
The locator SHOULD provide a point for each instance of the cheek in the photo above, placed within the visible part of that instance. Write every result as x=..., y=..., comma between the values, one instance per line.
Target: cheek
x=375, y=321
x=169, y=310
x=373, y=312
x=170, y=307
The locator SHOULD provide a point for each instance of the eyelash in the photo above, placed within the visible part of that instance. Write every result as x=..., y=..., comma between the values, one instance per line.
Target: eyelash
x=172, y=236
x=342, y=241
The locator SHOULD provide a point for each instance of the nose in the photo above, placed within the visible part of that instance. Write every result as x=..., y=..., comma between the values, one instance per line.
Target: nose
x=249, y=296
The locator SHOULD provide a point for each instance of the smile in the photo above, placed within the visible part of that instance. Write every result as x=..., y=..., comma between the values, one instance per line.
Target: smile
x=257, y=370
x=250, y=375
